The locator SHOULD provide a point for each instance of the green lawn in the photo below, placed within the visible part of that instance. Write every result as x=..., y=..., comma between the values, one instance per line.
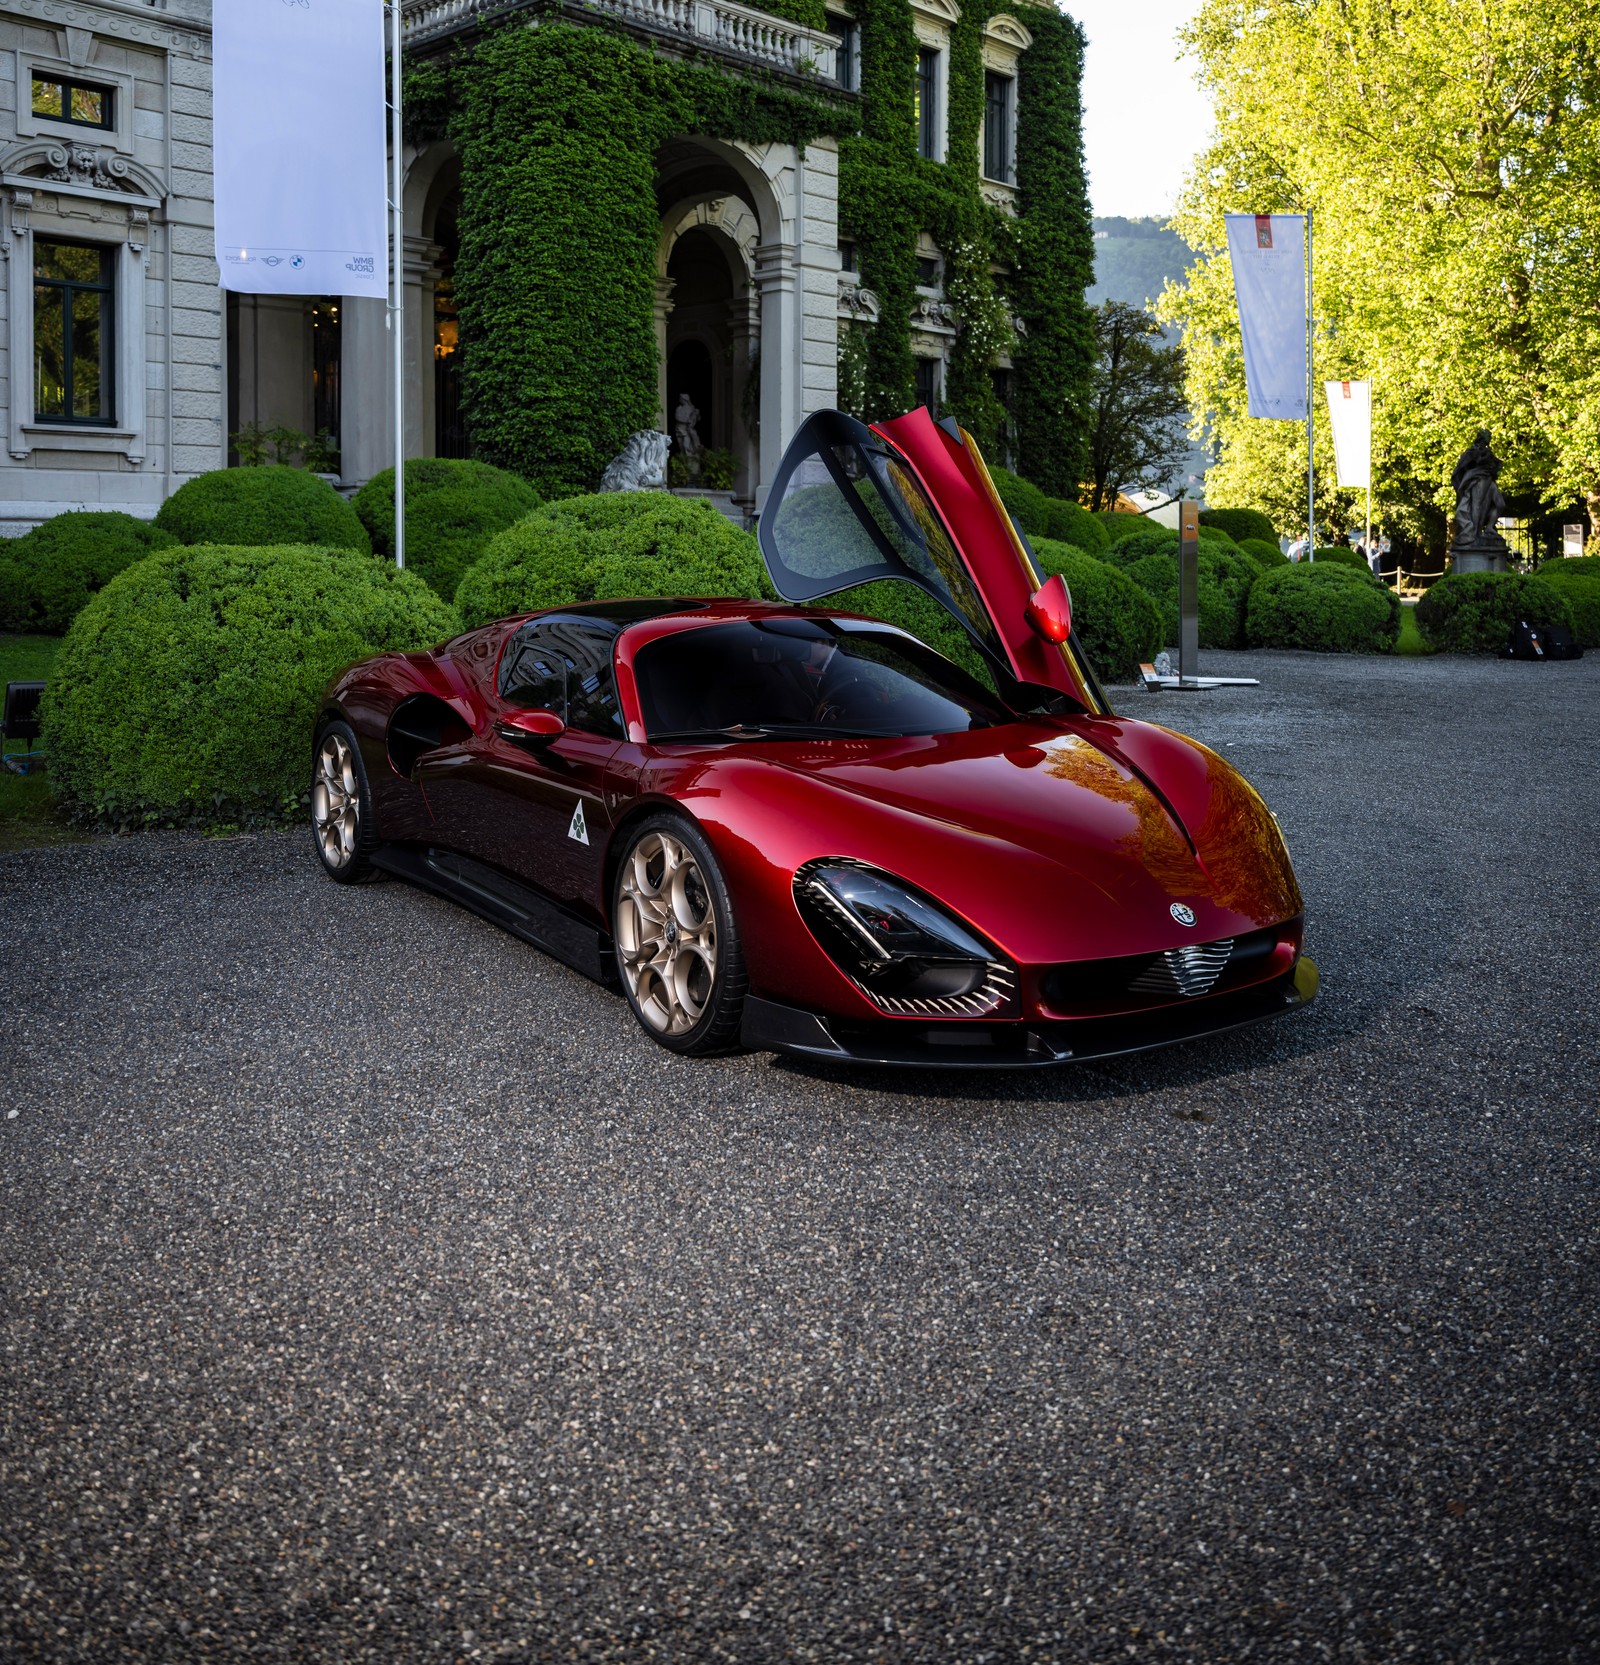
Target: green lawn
x=27, y=809
x=1410, y=637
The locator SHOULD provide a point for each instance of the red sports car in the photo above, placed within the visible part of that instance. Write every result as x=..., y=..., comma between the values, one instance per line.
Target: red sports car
x=778, y=826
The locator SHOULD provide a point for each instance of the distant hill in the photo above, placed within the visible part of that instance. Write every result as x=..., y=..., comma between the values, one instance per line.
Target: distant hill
x=1132, y=261
x=1134, y=258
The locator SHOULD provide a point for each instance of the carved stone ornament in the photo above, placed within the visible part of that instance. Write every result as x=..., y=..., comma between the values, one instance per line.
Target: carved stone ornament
x=79, y=167
x=104, y=169
x=859, y=305
x=929, y=313
x=640, y=466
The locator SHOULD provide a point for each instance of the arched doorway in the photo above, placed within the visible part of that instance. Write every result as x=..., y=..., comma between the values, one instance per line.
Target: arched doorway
x=702, y=331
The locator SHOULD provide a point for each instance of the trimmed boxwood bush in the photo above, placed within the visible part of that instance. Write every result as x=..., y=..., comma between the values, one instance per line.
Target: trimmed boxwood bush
x=454, y=506
x=1117, y=622
x=1240, y=524
x=1475, y=612
x=1264, y=554
x=1069, y=522
x=1577, y=581
x=1323, y=606
x=186, y=689
x=611, y=544
x=1153, y=535
x=1225, y=576
x=48, y=574
x=1341, y=555
x=1120, y=526
x=1028, y=505
x=259, y=506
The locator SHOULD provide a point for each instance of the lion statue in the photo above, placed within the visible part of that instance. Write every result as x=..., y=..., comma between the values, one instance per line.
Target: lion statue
x=641, y=465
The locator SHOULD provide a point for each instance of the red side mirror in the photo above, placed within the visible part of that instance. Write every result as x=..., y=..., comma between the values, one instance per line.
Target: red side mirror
x=530, y=725
x=1050, y=609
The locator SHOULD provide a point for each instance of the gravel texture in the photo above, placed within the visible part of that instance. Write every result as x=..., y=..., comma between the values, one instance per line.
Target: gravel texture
x=371, y=1289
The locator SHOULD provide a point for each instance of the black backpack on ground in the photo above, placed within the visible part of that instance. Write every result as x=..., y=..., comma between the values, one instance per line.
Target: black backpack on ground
x=1554, y=641
x=1526, y=642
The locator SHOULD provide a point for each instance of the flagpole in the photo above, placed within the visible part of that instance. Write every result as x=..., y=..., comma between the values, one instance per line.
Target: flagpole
x=1311, y=382
x=397, y=282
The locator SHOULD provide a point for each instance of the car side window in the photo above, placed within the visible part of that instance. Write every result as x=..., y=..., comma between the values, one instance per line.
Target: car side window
x=564, y=665
x=532, y=675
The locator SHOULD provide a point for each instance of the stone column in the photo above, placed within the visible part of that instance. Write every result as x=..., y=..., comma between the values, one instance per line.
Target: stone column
x=663, y=304
x=421, y=269
x=366, y=443
x=780, y=357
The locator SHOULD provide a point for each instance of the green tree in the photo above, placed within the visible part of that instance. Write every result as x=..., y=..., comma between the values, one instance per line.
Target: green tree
x=1450, y=152
x=1137, y=406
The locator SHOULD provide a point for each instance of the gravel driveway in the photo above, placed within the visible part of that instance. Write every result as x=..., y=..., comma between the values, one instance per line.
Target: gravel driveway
x=370, y=1289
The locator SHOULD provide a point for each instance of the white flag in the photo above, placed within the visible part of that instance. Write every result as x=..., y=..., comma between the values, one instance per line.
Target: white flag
x=1350, y=411
x=1269, y=282
x=299, y=147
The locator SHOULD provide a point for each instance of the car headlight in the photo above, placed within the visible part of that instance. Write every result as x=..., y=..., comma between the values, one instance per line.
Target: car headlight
x=903, y=951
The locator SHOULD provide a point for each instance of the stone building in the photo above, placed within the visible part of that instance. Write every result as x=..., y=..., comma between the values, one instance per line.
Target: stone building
x=105, y=167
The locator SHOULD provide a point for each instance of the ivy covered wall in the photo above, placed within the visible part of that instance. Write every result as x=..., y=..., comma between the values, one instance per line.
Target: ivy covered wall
x=558, y=127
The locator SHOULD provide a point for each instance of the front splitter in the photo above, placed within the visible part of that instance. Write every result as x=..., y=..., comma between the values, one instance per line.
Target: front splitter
x=771, y=1026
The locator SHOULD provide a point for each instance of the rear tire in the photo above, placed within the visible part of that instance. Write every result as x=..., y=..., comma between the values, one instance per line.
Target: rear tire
x=678, y=949
x=341, y=806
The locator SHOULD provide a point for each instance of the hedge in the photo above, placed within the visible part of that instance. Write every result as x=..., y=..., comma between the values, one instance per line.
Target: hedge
x=1323, y=606
x=453, y=507
x=1475, y=612
x=1341, y=555
x=1225, y=577
x=1240, y=524
x=187, y=688
x=1578, y=581
x=1118, y=624
x=1029, y=506
x=259, y=506
x=48, y=574
x=608, y=545
x=1264, y=554
x=1069, y=522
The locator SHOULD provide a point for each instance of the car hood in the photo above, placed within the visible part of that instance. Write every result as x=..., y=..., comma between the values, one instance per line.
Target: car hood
x=1058, y=840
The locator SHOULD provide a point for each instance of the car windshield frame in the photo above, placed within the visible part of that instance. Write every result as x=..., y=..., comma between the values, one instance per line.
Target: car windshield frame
x=862, y=694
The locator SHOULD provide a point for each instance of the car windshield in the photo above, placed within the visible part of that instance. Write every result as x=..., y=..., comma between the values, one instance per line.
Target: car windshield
x=803, y=678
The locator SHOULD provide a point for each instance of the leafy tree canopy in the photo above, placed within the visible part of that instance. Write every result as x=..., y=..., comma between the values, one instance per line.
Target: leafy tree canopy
x=1137, y=437
x=1451, y=156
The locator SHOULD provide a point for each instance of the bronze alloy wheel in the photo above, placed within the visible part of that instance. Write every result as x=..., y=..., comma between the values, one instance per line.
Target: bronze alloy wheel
x=677, y=952
x=340, y=806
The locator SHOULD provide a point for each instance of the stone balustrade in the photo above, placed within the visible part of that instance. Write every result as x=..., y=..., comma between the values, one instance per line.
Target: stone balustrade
x=723, y=25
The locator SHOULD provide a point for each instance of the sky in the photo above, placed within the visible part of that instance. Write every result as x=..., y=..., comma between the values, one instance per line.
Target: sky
x=1144, y=117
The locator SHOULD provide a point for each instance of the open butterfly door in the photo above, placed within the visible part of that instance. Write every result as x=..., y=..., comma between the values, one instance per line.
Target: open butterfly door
x=912, y=499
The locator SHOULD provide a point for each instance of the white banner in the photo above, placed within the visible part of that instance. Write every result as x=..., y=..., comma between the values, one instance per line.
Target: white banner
x=1269, y=282
x=300, y=150
x=1350, y=412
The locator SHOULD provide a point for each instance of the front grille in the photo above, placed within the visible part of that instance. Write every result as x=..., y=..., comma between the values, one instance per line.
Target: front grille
x=1188, y=971
x=1179, y=974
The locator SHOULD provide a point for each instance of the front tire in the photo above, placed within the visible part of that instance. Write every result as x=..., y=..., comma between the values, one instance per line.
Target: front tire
x=678, y=949
x=341, y=806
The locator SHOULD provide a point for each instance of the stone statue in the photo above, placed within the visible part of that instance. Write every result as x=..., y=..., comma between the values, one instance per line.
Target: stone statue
x=640, y=466
x=1479, y=504
x=686, y=433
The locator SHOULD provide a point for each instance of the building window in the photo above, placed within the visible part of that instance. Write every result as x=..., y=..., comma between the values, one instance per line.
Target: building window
x=928, y=384
x=997, y=91
x=847, y=255
x=927, y=103
x=73, y=308
x=849, y=47
x=927, y=271
x=75, y=102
